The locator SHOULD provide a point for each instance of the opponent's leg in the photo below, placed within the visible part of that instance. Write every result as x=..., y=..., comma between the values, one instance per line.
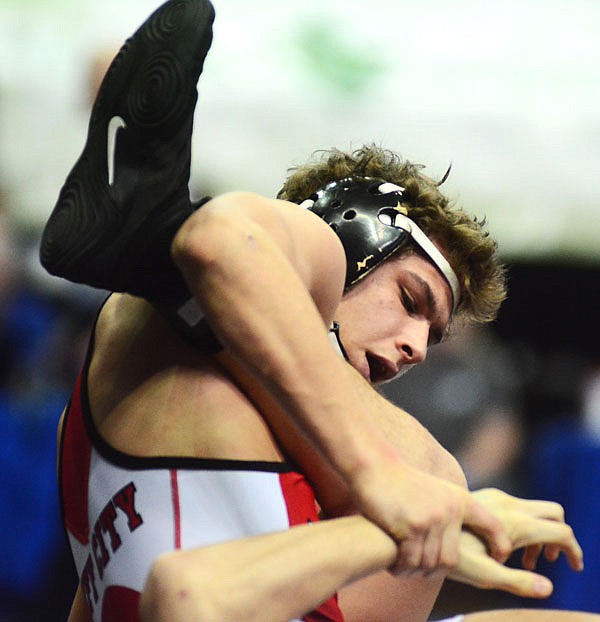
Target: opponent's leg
x=128, y=193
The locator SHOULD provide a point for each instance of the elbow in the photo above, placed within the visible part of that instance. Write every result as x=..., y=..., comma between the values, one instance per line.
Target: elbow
x=160, y=590
x=169, y=596
x=201, y=240
x=182, y=586
x=193, y=245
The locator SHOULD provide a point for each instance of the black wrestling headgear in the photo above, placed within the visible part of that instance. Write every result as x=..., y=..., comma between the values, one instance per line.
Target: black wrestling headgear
x=367, y=215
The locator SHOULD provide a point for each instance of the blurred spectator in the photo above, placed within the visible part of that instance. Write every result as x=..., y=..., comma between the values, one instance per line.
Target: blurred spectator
x=591, y=403
x=564, y=465
x=43, y=331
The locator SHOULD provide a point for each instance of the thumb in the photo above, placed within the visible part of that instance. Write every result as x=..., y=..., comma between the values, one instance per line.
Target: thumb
x=520, y=582
x=483, y=572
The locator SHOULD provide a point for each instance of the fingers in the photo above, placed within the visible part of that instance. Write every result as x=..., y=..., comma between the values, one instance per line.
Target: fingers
x=499, y=501
x=552, y=552
x=431, y=524
x=440, y=549
x=449, y=552
x=410, y=555
x=558, y=538
x=531, y=556
x=429, y=550
x=422, y=553
x=543, y=509
x=534, y=524
x=477, y=568
x=482, y=522
x=431, y=547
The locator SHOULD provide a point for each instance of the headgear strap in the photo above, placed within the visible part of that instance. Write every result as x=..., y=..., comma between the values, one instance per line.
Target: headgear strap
x=403, y=222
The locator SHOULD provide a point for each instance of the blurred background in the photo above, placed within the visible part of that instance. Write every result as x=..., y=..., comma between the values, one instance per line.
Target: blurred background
x=509, y=93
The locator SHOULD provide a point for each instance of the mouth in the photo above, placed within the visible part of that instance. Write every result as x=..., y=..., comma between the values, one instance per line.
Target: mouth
x=380, y=369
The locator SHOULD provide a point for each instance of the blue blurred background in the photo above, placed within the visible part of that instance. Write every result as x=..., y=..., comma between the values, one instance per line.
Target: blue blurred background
x=509, y=93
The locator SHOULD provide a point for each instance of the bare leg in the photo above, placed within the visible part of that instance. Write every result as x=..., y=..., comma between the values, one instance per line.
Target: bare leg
x=398, y=599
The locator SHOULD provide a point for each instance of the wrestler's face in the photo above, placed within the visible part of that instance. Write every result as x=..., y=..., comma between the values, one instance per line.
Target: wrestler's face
x=389, y=318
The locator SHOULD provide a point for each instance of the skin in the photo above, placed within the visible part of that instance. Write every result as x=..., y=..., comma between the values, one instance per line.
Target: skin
x=411, y=301
x=278, y=377
x=292, y=571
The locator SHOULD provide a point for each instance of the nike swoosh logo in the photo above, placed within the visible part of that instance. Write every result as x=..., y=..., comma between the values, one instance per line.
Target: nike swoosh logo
x=114, y=125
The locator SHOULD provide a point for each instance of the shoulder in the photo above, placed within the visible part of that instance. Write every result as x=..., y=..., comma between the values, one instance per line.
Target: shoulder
x=310, y=245
x=273, y=214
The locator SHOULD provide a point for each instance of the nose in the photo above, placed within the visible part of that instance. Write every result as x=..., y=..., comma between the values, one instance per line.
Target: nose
x=412, y=343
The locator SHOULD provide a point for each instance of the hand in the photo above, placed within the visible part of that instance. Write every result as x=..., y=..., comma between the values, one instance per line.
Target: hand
x=424, y=515
x=532, y=525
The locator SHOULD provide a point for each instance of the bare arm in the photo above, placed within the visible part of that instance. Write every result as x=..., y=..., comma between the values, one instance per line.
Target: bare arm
x=269, y=277
x=284, y=273
x=275, y=577
x=284, y=575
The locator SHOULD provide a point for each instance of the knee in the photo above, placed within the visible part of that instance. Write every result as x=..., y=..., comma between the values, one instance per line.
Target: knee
x=208, y=232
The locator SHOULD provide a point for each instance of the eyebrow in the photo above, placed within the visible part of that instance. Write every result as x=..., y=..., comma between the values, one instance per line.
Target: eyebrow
x=432, y=306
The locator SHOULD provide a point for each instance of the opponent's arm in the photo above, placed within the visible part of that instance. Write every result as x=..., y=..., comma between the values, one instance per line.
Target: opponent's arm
x=275, y=577
x=284, y=575
x=532, y=525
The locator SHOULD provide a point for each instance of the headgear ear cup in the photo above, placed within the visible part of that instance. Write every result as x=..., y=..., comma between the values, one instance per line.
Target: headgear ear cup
x=367, y=216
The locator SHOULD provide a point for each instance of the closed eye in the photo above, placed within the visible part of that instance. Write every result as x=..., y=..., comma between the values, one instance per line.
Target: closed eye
x=412, y=307
x=408, y=301
x=425, y=304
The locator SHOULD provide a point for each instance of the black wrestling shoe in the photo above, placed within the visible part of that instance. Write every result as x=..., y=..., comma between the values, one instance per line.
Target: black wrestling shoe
x=127, y=195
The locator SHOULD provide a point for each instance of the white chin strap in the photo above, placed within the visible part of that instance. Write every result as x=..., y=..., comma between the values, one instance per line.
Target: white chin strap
x=418, y=235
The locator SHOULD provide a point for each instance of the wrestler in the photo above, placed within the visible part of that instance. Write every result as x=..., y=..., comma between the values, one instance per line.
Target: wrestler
x=212, y=405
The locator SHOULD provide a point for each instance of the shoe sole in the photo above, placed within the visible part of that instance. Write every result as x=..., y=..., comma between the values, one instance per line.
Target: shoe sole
x=151, y=87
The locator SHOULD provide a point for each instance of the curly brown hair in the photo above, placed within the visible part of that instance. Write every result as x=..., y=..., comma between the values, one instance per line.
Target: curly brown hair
x=464, y=240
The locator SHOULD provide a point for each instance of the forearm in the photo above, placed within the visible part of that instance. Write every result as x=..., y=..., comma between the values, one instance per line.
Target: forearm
x=274, y=577
x=418, y=447
x=272, y=317
x=413, y=442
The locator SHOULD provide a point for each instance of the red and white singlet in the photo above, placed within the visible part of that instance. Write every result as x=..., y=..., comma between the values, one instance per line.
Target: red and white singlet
x=121, y=511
